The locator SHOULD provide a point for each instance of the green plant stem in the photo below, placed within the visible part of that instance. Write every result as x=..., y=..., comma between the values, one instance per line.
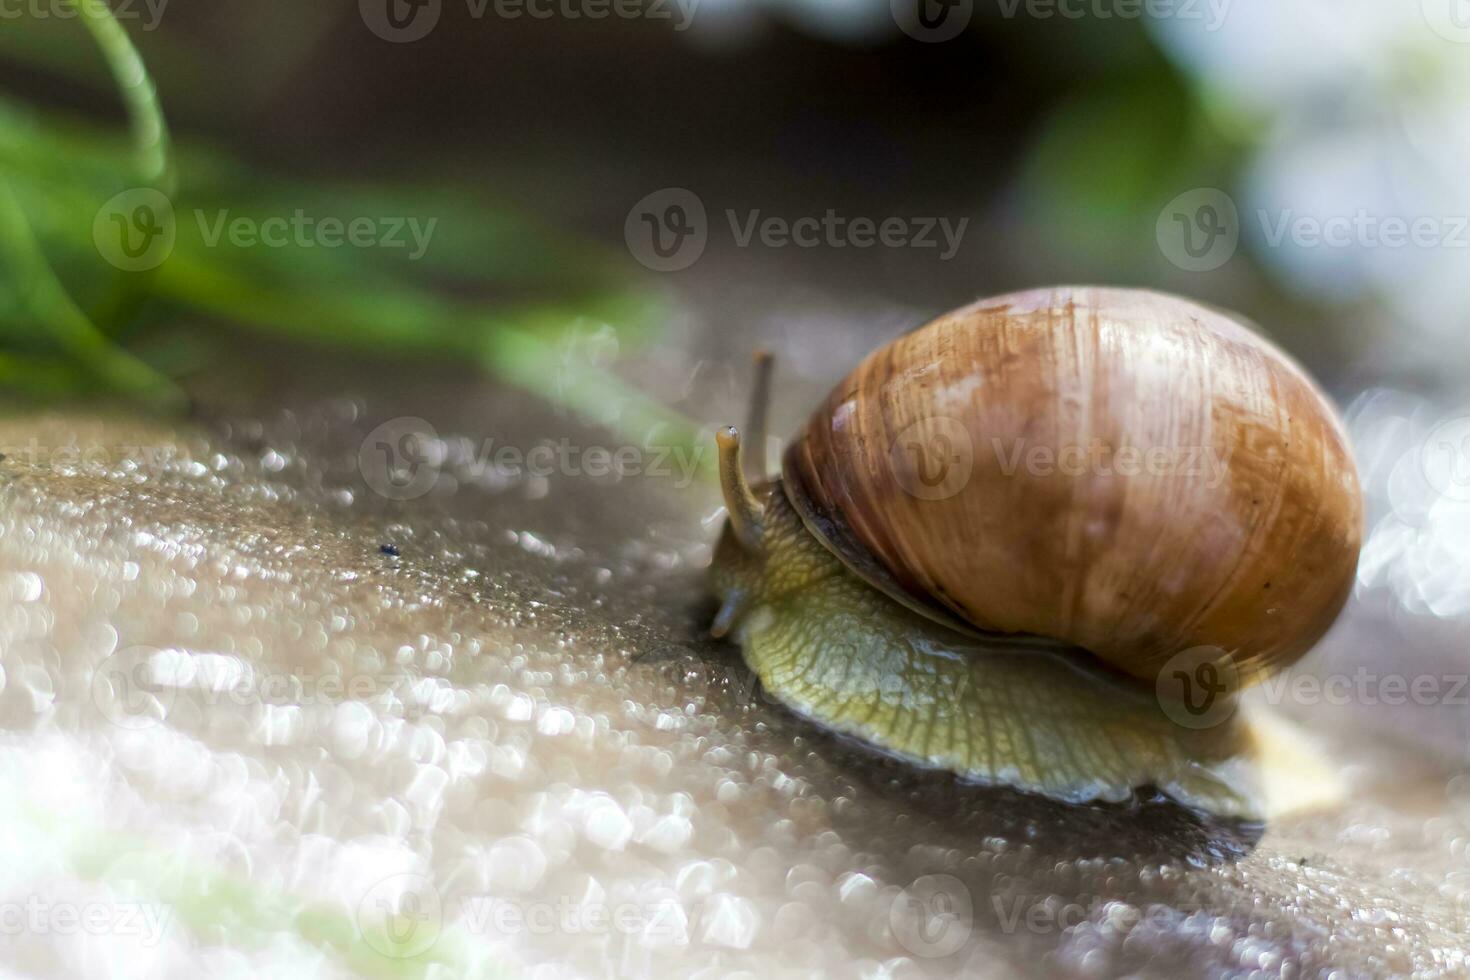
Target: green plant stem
x=152, y=149
x=151, y=144
x=48, y=301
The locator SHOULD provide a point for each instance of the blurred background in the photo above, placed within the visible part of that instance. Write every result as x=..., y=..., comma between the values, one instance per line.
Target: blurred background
x=1078, y=141
x=579, y=216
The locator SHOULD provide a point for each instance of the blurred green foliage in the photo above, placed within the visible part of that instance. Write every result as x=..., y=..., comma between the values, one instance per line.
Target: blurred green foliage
x=493, y=287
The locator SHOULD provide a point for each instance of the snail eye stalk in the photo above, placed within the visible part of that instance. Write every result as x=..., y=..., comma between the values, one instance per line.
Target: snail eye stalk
x=755, y=420
x=747, y=517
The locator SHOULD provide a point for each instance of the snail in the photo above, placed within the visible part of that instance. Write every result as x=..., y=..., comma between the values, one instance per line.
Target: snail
x=1044, y=541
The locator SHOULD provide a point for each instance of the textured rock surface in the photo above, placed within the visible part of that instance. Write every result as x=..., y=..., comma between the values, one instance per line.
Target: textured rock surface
x=241, y=736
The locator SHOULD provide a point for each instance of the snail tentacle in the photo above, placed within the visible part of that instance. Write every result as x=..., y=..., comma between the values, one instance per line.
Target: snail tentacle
x=755, y=419
x=731, y=607
x=747, y=517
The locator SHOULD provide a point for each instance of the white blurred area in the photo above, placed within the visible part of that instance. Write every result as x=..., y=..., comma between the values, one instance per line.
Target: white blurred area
x=1351, y=114
x=1356, y=110
x=1408, y=621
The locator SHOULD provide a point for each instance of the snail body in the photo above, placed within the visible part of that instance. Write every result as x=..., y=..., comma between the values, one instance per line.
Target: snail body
x=991, y=537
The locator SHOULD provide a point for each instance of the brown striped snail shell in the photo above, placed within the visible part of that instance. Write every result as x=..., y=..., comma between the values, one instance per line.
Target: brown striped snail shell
x=1120, y=470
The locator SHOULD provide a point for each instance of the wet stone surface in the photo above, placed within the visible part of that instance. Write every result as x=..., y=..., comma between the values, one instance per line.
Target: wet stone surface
x=302, y=727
